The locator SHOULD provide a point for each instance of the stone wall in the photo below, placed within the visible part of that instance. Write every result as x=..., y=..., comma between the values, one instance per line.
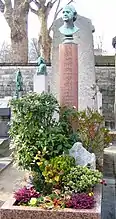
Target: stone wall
x=106, y=83
x=7, y=79
x=104, y=75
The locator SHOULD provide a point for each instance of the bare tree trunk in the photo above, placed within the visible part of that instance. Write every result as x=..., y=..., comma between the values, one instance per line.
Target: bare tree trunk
x=45, y=40
x=19, y=32
x=17, y=19
x=19, y=41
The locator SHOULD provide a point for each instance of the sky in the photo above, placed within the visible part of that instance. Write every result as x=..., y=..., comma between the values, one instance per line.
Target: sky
x=101, y=12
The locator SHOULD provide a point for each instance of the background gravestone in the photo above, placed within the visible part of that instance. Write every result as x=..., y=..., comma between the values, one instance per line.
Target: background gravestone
x=86, y=71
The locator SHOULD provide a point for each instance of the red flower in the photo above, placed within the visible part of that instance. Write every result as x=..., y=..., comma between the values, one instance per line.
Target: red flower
x=103, y=182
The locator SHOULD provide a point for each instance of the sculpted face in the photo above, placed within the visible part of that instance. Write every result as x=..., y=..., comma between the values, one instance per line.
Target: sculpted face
x=40, y=61
x=67, y=14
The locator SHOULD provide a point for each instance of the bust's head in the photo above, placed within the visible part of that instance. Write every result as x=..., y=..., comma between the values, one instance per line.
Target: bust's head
x=69, y=13
x=18, y=73
x=40, y=61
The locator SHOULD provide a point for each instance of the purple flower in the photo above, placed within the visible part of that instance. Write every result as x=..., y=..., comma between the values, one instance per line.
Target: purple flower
x=80, y=201
x=24, y=194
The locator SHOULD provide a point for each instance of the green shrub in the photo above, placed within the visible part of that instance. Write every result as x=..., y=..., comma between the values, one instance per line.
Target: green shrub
x=33, y=128
x=56, y=168
x=87, y=127
x=68, y=121
x=81, y=179
x=49, y=173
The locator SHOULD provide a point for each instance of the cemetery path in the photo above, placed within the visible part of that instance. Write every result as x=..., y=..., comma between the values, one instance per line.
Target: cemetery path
x=10, y=180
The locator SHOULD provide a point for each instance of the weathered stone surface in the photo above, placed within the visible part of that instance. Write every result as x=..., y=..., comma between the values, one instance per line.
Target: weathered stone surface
x=109, y=162
x=7, y=79
x=82, y=156
x=109, y=191
x=68, y=70
x=86, y=73
x=4, y=147
x=106, y=82
x=108, y=199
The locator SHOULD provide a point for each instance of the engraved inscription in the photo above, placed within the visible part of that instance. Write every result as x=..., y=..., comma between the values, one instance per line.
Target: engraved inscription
x=68, y=85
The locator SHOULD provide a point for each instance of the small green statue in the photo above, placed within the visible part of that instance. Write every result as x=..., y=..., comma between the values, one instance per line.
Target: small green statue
x=69, y=17
x=19, y=83
x=42, y=70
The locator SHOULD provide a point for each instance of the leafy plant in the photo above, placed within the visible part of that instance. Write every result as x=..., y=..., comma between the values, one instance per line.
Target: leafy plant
x=33, y=128
x=80, y=201
x=56, y=168
x=93, y=134
x=87, y=127
x=88, y=124
x=48, y=202
x=81, y=179
x=24, y=195
x=69, y=123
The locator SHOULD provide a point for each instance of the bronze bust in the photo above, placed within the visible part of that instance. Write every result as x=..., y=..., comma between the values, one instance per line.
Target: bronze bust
x=69, y=17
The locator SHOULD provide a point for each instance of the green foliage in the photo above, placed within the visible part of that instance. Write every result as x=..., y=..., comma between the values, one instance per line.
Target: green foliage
x=92, y=133
x=69, y=123
x=81, y=179
x=56, y=168
x=88, y=125
x=33, y=128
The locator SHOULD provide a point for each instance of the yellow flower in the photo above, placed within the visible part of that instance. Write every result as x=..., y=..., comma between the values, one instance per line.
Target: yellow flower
x=91, y=194
x=39, y=163
x=33, y=201
x=56, y=178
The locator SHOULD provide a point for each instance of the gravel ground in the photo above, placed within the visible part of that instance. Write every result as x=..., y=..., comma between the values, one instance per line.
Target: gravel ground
x=10, y=180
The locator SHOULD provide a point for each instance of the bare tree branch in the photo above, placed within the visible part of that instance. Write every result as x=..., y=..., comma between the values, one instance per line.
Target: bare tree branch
x=53, y=2
x=8, y=4
x=29, y=1
x=57, y=13
x=33, y=10
x=49, y=7
x=37, y=3
x=35, y=47
x=6, y=8
x=42, y=2
x=2, y=6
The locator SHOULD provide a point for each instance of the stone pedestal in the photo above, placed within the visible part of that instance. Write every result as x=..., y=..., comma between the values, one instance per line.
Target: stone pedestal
x=68, y=70
x=40, y=83
x=86, y=63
